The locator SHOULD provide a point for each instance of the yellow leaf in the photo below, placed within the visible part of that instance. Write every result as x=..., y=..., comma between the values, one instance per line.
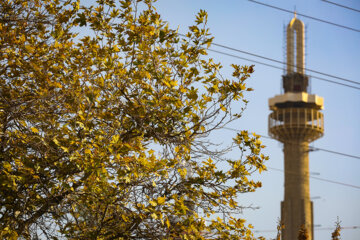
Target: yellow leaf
x=57, y=44
x=223, y=108
x=7, y=166
x=56, y=141
x=115, y=139
x=182, y=172
x=64, y=149
x=57, y=84
x=34, y=130
x=177, y=149
x=124, y=218
x=167, y=83
x=153, y=203
x=161, y=200
x=232, y=203
x=29, y=48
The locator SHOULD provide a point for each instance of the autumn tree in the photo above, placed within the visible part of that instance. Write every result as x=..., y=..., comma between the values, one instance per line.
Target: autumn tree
x=105, y=116
x=303, y=233
x=335, y=235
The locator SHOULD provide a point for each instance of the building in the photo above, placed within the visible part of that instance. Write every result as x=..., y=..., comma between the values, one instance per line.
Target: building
x=296, y=120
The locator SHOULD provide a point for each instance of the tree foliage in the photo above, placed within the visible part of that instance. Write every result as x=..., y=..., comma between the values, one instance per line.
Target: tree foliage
x=303, y=233
x=105, y=116
x=336, y=235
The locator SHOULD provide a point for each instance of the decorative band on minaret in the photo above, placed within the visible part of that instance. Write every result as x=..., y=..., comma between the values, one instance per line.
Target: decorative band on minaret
x=296, y=120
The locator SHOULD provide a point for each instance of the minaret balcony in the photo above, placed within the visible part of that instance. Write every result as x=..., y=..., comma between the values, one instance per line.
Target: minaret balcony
x=296, y=124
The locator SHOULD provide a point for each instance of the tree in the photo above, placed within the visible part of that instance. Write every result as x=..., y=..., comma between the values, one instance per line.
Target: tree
x=303, y=233
x=105, y=114
x=335, y=235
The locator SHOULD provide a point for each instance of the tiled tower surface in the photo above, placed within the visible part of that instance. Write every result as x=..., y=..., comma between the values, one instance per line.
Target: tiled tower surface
x=296, y=120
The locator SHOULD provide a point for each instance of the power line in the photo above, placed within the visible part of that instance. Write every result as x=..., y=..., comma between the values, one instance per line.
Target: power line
x=278, y=61
x=306, y=16
x=293, y=173
x=311, y=148
x=273, y=66
x=326, y=150
x=335, y=182
x=318, y=178
x=316, y=229
x=339, y=5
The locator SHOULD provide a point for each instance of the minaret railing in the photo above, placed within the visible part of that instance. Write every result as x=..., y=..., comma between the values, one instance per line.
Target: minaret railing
x=304, y=123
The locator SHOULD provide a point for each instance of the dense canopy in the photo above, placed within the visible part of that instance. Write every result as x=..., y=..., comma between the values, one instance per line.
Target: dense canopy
x=105, y=116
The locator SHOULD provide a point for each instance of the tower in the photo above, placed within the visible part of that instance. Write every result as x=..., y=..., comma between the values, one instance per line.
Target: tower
x=296, y=120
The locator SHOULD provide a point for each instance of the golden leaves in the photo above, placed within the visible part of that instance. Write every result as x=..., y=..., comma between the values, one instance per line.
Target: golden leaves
x=161, y=200
x=114, y=124
x=153, y=203
x=34, y=130
x=182, y=172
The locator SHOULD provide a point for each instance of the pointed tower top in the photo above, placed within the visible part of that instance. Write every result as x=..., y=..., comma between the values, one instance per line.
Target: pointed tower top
x=295, y=42
x=295, y=19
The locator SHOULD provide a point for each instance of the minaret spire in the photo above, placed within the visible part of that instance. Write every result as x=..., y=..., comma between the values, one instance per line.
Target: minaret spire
x=295, y=39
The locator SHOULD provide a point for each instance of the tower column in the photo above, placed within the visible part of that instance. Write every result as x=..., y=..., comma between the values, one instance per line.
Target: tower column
x=296, y=207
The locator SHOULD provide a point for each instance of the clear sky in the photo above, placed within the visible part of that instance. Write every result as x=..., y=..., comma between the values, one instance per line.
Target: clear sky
x=333, y=50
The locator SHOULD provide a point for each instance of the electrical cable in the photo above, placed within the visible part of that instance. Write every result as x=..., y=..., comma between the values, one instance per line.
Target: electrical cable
x=320, y=179
x=326, y=150
x=275, y=60
x=273, y=66
x=316, y=229
x=278, y=61
x=310, y=147
x=306, y=16
x=293, y=173
x=339, y=5
x=335, y=182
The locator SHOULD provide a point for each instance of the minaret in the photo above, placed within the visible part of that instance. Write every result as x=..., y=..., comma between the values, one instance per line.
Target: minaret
x=296, y=121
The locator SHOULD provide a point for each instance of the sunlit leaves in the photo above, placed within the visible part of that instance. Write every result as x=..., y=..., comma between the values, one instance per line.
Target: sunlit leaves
x=105, y=113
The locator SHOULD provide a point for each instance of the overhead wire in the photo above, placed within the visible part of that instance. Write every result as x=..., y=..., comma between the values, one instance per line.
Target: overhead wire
x=306, y=16
x=281, y=68
x=321, y=149
x=278, y=61
x=320, y=179
x=316, y=229
x=335, y=182
x=311, y=148
x=343, y=6
x=329, y=151
x=277, y=67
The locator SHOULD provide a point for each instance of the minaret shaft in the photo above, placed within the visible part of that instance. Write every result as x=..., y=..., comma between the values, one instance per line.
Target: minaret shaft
x=296, y=160
x=296, y=209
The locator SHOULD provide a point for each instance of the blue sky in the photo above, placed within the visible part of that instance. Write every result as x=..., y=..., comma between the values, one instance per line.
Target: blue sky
x=258, y=29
